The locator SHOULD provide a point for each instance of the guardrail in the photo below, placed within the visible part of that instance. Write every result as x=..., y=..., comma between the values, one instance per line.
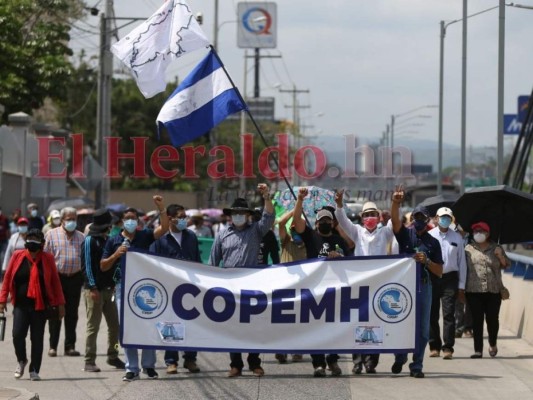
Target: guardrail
x=516, y=314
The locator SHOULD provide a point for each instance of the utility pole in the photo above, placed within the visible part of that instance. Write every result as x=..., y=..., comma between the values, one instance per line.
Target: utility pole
x=295, y=116
x=103, y=112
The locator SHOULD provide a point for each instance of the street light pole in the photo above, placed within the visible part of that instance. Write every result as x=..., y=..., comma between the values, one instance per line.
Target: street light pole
x=441, y=96
x=463, y=100
x=501, y=83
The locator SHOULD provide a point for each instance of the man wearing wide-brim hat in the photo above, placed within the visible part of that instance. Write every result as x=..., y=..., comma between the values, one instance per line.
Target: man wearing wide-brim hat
x=238, y=246
x=99, y=288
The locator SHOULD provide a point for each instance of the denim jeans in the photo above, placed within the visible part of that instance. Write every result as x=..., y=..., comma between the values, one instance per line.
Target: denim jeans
x=423, y=338
x=148, y=357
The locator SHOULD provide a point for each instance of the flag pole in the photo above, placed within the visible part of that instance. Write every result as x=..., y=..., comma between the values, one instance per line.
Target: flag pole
x=257, y=128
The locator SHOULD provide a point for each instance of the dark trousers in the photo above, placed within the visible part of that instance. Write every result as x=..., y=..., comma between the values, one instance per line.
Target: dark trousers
x=25, y=319
x=463, y=317
x=172, y=357
x=484, y=307
x=253, y=360
x=445, y=292
x=369, y=361
x=321, y=360
x=72, y=291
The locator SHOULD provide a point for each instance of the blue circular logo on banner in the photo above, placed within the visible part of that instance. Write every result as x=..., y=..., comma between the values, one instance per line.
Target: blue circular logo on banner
x=147, y=298
x=392, y=303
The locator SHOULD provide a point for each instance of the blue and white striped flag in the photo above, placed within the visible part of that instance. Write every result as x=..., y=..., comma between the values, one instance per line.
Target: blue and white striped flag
x=204, y=99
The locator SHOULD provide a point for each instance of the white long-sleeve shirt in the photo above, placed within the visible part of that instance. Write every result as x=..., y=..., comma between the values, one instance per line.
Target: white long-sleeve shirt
x=453, y=253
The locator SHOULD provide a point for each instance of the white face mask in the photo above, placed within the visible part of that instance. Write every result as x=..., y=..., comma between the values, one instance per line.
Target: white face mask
x=480, y=237
x=238, y=219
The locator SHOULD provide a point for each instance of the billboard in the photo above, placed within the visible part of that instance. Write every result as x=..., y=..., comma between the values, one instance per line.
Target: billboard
x=257, y=25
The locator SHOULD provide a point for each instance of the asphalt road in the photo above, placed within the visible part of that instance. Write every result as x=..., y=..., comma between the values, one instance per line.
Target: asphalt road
x=508, y=376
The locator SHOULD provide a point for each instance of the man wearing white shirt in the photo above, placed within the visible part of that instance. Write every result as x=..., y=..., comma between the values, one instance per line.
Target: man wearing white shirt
x=447, y=288
x=369, y=241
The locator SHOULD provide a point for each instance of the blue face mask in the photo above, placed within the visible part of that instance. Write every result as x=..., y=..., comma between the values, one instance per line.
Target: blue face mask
x=445, y=222
x=181, y=224
x=420, y=225
x=130, y=225
x=296, y=238
x=23, y=229
x=70, y=226
x=238, y=219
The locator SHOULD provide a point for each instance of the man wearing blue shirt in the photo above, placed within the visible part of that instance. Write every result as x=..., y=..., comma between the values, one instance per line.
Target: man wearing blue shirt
x=427, y=253
x=182, y=244
x=114, y=249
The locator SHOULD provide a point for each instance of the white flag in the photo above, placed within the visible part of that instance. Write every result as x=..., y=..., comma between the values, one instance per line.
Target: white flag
x=148, y=49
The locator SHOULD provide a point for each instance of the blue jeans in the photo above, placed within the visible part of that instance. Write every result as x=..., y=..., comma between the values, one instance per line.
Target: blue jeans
x=425, y=313
x=148, y=357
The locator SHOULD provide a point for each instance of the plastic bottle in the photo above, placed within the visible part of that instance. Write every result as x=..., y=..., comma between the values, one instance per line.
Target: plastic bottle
x=339, y=250
x=3, y=322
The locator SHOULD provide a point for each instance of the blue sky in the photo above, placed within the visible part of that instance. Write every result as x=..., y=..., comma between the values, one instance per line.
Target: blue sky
x=366, y=60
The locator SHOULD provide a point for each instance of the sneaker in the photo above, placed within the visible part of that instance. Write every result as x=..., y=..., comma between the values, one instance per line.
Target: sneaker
x=191, y=366
x=34, y=376
x=258, y=372
x=320, y=372
x=297, y=357
x=357, y=369
x=282, y=358
x=417, y=374
x=448, y=355
x=434, y=353
x=152, y=374
x=52, y=353
x=234, y=372
x=91, y=367
x=335, y=369
x=20, y=369
x=172, y=369
x=131, y=376
x=396, y=368
x=116, y=362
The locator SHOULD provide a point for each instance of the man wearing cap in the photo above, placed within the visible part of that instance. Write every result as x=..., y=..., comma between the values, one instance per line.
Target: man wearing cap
x=427, y=253
x=238, y=246
x=320, y=242
x=369, y=241
x=99, y=288
x=445, y=289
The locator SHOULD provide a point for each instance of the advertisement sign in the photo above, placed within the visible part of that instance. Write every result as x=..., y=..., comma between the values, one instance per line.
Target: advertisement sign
x=256, y=25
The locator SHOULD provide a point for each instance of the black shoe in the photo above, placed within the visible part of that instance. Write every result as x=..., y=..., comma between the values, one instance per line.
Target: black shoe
x=357, y=369
x=371, y=370
x=72, y=353
x=417, y=374
x=477, y=354
x=116, y=362
x=130, y=376
x=152, y=374
x=396, y=368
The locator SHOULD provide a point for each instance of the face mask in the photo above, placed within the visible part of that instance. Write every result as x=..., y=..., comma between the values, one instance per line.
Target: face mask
x=33, y=246
x=130, y=225
x=419, y=225
x=34, y=213
x=238, y=219
x=296, y=238
x=325, y=228
x=70, y=226
x=370, y=223
x=23, y=229
x=56, y=221
x=181, y=224
x=480, y=237
x=445, y=222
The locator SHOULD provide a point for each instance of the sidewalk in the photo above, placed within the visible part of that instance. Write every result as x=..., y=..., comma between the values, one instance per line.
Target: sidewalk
x=508, y=376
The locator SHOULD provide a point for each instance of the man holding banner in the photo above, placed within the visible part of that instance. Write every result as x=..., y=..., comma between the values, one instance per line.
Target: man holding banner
x=428, y=255
x=238, y=246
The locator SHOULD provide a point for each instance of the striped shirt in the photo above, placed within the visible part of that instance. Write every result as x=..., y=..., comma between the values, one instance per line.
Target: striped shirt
x=66, y=250
x=240, y=248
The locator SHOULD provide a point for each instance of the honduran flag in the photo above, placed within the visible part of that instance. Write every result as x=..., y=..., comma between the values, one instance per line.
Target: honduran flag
x=204, y=99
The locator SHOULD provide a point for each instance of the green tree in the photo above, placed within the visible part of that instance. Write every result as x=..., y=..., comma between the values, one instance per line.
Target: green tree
x=34, y=51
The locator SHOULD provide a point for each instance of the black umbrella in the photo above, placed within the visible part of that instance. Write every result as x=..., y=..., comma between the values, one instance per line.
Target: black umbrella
x=508, y=212
x=436, y=202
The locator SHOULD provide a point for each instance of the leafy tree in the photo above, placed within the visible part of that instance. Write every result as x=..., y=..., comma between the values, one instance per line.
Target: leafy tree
x=34, y=51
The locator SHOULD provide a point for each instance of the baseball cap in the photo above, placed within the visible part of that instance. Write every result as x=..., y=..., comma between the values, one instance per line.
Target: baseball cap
x=481, y=225
x=323, y=213
x=55, y=214
x=420, y=210
x=22, y=220
x=444, y=211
